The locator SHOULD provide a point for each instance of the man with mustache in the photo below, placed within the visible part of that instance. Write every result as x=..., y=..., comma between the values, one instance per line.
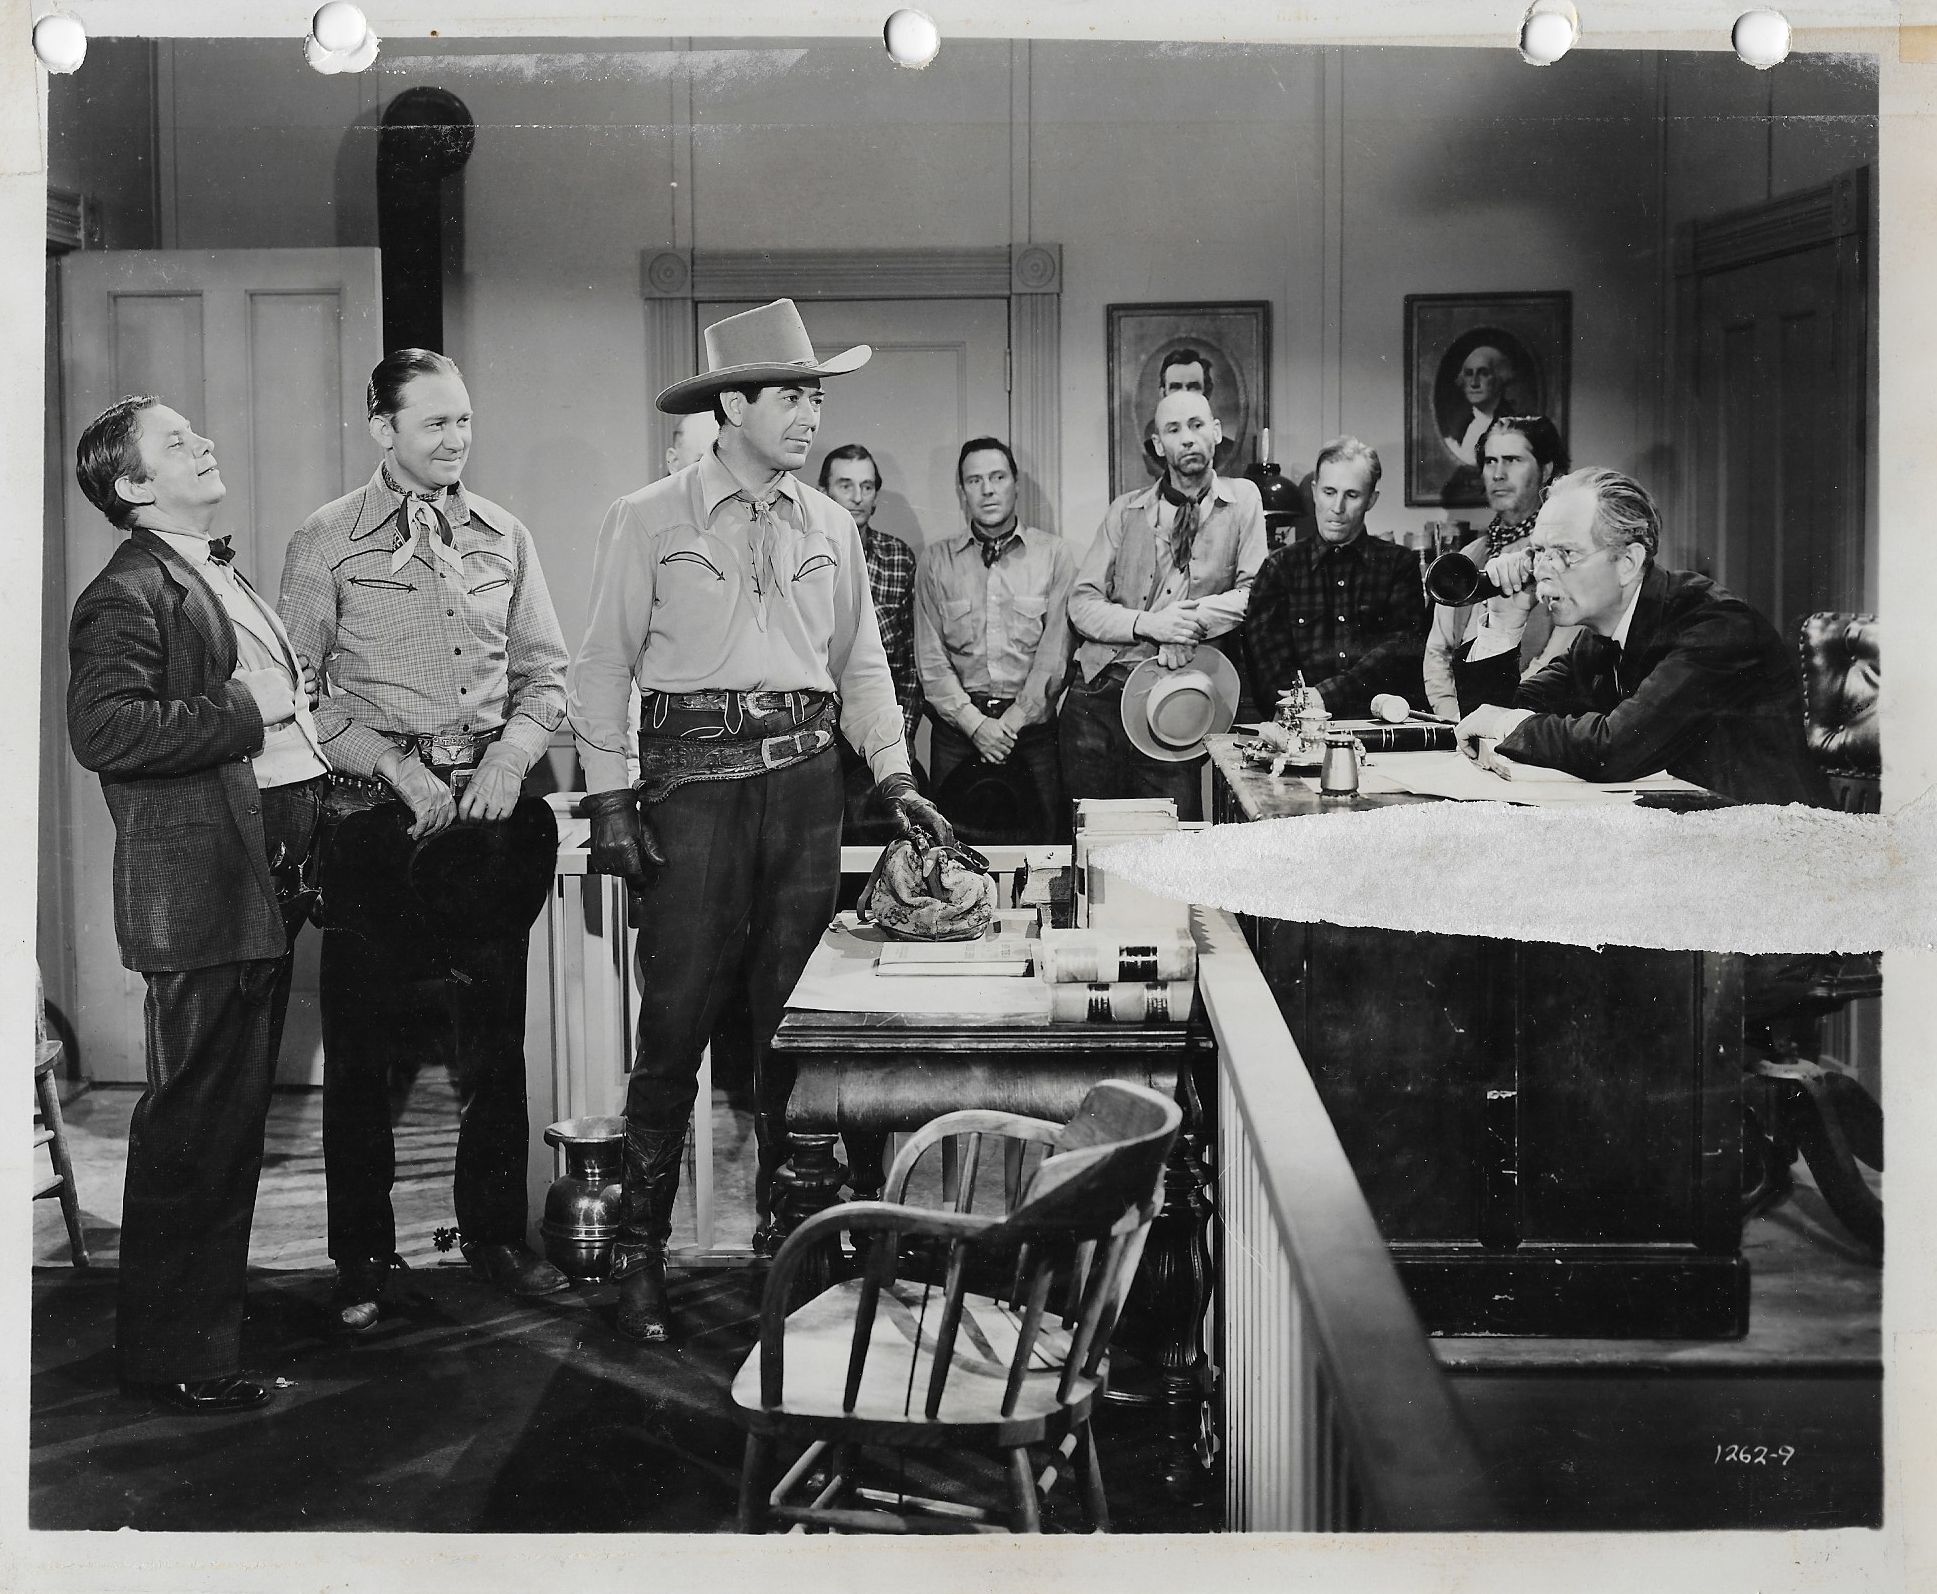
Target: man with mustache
x=736, y=597
x=189, y=701
x=1669, y=672
x=1170, y=568
x=1342, y=608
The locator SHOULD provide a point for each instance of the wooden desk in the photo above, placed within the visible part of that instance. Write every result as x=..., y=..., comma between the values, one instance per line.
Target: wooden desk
x=1549, y=1136
x=894, y=1072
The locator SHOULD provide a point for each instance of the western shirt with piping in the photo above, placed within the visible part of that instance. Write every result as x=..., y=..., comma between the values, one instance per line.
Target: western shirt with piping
x=677, y=606
x=420, y=651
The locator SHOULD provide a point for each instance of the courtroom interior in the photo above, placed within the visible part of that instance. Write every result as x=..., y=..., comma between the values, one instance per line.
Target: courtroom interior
x=1449, y=1232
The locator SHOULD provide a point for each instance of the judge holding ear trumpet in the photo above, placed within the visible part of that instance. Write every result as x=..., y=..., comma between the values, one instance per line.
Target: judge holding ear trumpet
x=736, y=597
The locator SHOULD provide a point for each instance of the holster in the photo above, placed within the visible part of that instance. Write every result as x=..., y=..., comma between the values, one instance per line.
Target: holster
x=668, y=762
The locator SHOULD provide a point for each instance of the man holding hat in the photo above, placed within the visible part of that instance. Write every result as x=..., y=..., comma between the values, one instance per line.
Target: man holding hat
x=736, y=598
x=991, y=636
x=1171, y=568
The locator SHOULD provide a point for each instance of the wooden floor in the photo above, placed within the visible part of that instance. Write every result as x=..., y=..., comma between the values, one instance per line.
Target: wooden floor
x=1577, y=1434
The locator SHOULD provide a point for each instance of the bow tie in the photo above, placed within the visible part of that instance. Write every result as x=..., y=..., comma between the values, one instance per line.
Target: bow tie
x=221, y=550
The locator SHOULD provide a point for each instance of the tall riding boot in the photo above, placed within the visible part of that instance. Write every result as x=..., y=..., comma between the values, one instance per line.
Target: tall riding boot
x=650, y=1182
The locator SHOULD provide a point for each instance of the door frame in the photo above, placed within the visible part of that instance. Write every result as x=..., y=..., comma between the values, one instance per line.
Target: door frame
x=1837, y=214
x=1029, y=276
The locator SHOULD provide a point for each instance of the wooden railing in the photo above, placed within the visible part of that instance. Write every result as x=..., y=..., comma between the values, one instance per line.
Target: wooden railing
x=1336, y=1416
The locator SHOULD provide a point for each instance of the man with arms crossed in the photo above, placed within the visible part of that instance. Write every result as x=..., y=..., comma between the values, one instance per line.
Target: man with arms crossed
x=189, y=702
x=992, y=632
x=737, y=598
x=1170, y=567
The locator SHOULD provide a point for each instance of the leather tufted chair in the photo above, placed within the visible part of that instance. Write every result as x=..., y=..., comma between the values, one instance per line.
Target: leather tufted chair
x=1840, y=674
x=1800, y=1102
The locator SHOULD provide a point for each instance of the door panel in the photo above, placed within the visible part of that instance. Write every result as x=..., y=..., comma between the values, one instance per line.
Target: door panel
x=266, y=352
x=938, y=377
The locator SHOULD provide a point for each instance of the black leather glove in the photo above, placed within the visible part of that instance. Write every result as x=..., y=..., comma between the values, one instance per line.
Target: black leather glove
x=623, y=842
x=914, y=812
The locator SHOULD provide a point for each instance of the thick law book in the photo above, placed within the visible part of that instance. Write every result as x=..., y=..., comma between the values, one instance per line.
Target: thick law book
x=1162, y=952
x=1122, y=1002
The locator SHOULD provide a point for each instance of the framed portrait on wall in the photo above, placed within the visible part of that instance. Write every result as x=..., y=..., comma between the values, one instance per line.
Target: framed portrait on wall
x=1469, y=358
x=1229, y=344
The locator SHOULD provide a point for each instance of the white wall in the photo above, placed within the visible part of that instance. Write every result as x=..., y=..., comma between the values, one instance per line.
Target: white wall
x=1330, y=183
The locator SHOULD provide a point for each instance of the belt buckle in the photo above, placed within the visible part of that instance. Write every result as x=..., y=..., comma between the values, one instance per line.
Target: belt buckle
x=769, y=748
x=454, y=752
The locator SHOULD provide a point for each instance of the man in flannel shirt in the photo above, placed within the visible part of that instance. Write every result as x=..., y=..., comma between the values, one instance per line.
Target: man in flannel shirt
x=1344, y=609
x=425, y=606
x=852, y=478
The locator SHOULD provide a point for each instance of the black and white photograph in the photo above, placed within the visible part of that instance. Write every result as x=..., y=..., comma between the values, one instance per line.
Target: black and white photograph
x=603, y=604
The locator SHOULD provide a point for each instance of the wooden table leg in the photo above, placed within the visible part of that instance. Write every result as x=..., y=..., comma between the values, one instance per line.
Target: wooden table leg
x=809, y=1181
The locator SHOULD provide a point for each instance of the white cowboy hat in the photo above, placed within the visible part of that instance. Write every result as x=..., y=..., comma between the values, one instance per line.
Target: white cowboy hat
x=1168, y=713
x=757, y=348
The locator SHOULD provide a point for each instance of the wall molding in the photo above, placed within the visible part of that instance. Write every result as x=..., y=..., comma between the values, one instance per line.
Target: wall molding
x=1028, y=275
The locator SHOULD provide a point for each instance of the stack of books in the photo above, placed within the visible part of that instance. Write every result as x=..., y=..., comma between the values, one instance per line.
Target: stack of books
x=1109, y=901
x=1123, y=975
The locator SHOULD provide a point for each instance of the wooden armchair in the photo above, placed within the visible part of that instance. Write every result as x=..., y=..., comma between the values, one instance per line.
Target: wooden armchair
x=917, y=1369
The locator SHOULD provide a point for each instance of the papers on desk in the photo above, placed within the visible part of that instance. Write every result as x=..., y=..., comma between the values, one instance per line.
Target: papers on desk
x=1456, y=776
x=841, y=977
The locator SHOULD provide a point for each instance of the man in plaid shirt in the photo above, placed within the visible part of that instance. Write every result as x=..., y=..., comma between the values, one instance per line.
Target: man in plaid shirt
x=426, y=609
x=851, y=476
x=1343, y=608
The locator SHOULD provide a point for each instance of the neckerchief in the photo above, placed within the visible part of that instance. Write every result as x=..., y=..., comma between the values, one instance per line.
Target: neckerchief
x=422, y=521
x=1184, y=533
x=221, y=550
x=1502, y=535
x=993, y=548
x=766, y=535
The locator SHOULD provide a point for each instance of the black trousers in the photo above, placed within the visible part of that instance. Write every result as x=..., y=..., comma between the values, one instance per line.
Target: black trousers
x=1036, y=751
x=752, y=870
x=387, y=1009
x=195, y=1144
x=1100, y=760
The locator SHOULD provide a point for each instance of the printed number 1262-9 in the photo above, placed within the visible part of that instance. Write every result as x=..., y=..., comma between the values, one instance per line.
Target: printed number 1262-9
x=1755, y=1455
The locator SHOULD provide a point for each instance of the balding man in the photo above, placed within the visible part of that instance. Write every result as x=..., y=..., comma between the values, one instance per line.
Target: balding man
x=1170, y=568
x=692, y=441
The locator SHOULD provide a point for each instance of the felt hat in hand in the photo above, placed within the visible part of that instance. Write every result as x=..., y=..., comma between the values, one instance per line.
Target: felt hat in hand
x=467, y=882
x=757, y=348
x=995, y=805
x=1168, y=713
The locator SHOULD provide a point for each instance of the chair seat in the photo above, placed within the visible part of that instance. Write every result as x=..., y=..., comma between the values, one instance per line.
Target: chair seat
x=820, y=1340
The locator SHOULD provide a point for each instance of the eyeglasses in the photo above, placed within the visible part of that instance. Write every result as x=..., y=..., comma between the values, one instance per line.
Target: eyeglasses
x=1565, y=558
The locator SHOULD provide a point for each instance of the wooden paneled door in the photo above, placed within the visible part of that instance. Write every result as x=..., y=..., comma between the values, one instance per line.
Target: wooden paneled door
x=267, y=352
x=1773, y=393
x=939, y=376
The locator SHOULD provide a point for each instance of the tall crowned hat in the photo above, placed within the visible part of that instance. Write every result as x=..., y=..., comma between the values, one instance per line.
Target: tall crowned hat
x=757, y=348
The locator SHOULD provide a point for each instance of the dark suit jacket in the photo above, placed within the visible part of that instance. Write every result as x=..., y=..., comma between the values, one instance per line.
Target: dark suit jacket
x=152, y=709
x=1706, y=690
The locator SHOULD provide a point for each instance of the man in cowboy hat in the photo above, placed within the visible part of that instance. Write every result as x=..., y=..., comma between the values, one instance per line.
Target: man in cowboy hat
x=736, y=597
x=1171, y=568
x=1343, y=608
x=992, y=636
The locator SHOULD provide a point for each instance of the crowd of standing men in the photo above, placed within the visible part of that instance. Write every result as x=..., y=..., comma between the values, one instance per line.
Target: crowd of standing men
x=757, y=659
